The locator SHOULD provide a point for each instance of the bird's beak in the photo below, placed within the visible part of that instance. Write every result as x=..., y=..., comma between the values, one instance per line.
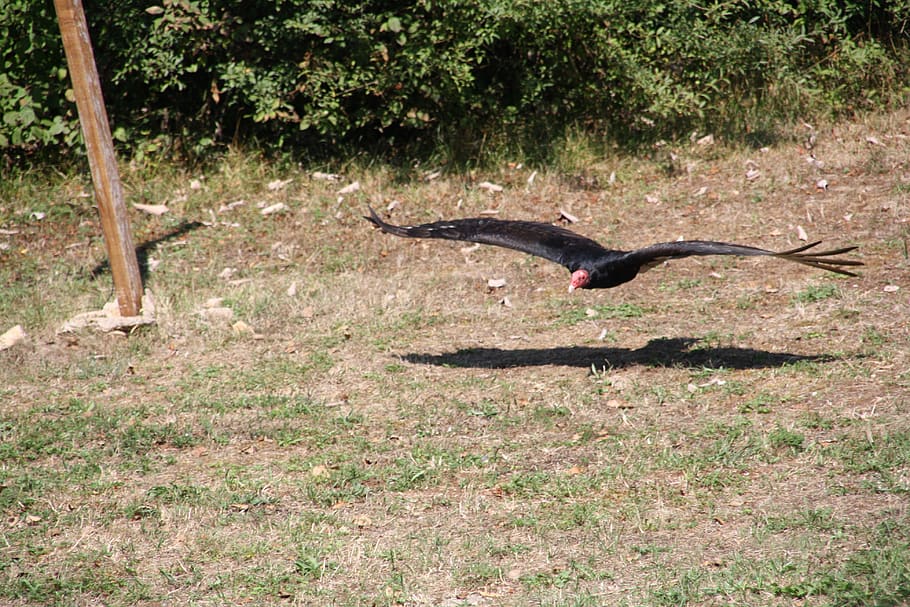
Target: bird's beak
x=571, y=288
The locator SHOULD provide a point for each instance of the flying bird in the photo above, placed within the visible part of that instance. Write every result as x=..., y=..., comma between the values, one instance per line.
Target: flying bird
x=592, y=265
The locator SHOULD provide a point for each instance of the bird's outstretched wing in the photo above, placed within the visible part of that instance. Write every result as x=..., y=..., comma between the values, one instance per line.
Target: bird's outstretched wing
x=541, y=239
x=650, y=256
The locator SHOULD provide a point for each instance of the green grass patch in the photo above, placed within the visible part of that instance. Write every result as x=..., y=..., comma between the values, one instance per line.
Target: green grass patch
x=575, y=315
x=816, y=293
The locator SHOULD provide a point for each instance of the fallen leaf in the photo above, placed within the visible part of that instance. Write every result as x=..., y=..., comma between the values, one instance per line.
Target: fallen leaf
x=496, y=283
x=489, y=187
x=531, y=178
x=350, y=188
x=753, y=174
x=231, y=206
x=567, y=216
x=811, y=159
x=278, y=184
x=275, y=208
x=325, y=176
x=151, y=209
x=801, y=234
x=292, y=290
x=706, y=140
x=891, y=289
x=874, y=141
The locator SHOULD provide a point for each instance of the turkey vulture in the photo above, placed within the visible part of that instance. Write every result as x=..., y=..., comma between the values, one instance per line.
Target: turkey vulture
x=592, y=266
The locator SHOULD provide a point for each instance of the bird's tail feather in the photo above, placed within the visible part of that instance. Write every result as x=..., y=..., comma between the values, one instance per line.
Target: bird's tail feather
x=823, y=260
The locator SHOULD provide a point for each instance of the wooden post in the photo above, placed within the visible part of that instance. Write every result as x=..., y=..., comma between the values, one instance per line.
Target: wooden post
x=100, y=148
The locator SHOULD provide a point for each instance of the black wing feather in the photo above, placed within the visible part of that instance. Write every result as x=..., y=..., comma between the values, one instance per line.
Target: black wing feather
x=541, y=239
x=650, y=256
x=575, y=251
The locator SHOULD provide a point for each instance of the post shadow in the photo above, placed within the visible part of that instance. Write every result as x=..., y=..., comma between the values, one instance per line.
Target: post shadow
x=143, y=250
x=660, y=352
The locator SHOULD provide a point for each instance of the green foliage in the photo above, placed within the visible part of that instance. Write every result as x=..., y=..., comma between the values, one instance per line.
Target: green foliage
x=34, y=102
x=815, y=293
x=195, y=73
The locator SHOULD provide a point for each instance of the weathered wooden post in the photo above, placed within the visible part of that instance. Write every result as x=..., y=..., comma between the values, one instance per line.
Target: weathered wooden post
x=102, y=161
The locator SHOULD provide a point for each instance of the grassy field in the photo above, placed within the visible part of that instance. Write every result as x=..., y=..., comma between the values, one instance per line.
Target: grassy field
x=370, y=424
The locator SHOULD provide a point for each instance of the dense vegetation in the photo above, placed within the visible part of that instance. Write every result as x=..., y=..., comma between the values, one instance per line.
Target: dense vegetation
x=185, y=75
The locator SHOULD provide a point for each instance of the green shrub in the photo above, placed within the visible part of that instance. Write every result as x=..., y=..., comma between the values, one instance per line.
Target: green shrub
x=319, y=74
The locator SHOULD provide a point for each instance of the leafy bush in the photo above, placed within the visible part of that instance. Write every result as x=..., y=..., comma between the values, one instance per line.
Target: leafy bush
x=309, y=74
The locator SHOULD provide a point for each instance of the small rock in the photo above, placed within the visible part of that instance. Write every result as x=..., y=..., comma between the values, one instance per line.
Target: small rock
x=12, y=337
x=242, y=328
x=217, y=314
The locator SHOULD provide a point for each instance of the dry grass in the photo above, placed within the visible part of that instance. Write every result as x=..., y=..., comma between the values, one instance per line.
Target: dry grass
x=721, y=431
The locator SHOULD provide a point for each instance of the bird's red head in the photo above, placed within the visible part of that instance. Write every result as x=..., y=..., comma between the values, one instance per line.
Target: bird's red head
x=580, y=279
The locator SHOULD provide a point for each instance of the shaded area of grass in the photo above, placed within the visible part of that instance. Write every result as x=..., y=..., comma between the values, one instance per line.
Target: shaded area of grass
x=657, y=353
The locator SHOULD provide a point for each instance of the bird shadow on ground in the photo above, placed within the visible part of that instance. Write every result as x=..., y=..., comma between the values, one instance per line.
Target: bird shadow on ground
x=661, y=352
x=143, y=250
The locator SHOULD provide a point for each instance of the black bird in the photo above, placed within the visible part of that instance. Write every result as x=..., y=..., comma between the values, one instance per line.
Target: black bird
x=593, y=266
